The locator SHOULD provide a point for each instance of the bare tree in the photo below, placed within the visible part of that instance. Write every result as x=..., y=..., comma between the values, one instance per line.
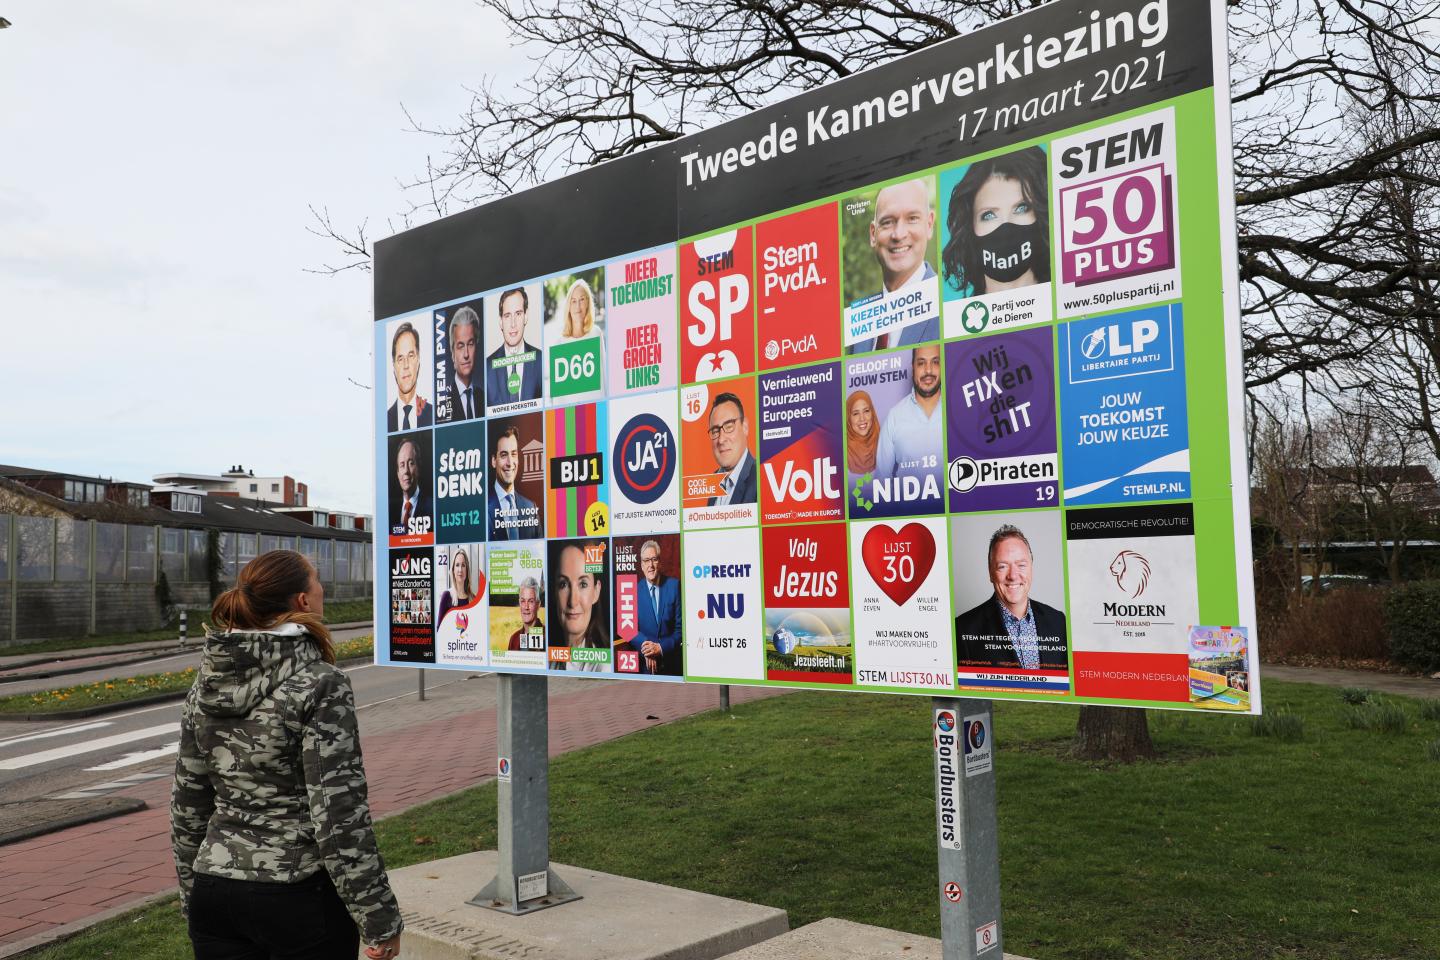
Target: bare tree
x=1378, y=469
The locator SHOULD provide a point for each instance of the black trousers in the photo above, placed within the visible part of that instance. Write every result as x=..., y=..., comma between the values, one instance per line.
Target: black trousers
x=246, y=920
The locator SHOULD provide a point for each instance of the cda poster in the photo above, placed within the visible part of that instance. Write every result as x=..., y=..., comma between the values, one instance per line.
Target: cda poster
x=893, y=387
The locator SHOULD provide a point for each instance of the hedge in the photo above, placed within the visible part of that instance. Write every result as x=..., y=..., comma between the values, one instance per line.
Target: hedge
x=1413, y=611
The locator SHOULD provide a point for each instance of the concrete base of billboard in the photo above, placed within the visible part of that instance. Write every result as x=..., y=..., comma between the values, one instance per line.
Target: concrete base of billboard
x=842, y=940
x=618, y=919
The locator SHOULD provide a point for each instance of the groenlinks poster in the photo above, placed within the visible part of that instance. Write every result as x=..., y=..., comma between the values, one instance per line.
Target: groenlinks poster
x=926, y=381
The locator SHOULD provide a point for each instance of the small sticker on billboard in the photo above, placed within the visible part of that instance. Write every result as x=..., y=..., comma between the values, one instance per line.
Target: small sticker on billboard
x=533, y=886
x=947, y=781
x=987, y=936
x=978, y=749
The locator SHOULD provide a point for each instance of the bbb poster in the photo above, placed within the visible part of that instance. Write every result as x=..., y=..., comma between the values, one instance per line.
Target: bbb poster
x=800, y=445
x=1000, y=404
x=517, y=605
x=641, y=323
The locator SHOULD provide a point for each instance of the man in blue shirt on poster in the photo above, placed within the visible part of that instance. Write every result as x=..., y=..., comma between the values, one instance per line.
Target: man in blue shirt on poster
x=657, y=637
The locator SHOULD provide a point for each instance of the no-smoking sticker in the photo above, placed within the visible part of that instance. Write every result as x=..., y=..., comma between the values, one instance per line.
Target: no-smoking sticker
x=952, y=892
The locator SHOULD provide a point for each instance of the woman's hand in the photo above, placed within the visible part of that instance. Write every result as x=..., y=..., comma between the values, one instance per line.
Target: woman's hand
x=385, y=950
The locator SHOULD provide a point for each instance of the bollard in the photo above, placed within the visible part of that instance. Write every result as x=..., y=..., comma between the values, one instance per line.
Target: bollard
x=184, y=626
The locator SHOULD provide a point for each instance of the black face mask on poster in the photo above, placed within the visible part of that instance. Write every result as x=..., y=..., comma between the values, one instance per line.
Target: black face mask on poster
x=1007, y=251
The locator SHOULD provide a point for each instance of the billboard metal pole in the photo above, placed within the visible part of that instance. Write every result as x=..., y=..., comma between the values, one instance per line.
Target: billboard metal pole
x=524, y=882
x=968, y=834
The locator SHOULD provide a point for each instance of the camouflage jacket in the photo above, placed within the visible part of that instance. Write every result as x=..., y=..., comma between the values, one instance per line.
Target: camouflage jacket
x=269, y=783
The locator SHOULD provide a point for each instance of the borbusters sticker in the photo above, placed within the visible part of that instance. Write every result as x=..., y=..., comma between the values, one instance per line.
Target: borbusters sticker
x=978, y=749
x=947, y=780
x=502, y=769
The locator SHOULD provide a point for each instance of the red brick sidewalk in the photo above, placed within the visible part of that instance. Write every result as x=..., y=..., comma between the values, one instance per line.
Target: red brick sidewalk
x=74, y=876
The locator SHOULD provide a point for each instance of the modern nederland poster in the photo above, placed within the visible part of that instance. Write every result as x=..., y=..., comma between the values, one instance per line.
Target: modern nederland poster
x=926, y=430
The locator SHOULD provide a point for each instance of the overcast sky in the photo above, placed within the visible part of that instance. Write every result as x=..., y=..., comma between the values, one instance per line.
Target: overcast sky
x=156, y=160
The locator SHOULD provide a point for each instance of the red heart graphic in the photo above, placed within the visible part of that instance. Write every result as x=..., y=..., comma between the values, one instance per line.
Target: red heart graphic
x=897, y=578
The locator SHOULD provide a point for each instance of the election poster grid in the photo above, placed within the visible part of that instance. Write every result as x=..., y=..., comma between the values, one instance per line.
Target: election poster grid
x=947, y=433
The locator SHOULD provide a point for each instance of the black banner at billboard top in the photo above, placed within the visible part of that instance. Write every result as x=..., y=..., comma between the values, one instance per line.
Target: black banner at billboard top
x=1054, y=67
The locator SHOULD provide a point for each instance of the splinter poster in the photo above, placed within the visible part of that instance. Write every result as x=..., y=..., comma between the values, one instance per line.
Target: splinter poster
x=924, y=381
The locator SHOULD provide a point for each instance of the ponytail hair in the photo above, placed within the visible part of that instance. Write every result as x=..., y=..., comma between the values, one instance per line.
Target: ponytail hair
x=262, y=596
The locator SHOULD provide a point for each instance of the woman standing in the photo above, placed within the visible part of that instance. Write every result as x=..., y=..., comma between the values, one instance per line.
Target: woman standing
x=269, y=814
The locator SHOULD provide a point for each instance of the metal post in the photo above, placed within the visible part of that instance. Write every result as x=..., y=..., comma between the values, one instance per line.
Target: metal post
x=967, y=832
x=94, y=602
x=421, y=671
x=725, y=697
x=13, y=550
x=184, y=627
x=524, y=881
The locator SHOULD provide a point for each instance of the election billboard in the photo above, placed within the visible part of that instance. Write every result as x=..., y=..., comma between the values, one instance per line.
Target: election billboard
x=891, y=386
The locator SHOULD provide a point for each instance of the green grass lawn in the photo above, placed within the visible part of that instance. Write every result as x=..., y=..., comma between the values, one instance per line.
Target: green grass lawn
x=1235, y=845
x=349, y=611
x=336, y=611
